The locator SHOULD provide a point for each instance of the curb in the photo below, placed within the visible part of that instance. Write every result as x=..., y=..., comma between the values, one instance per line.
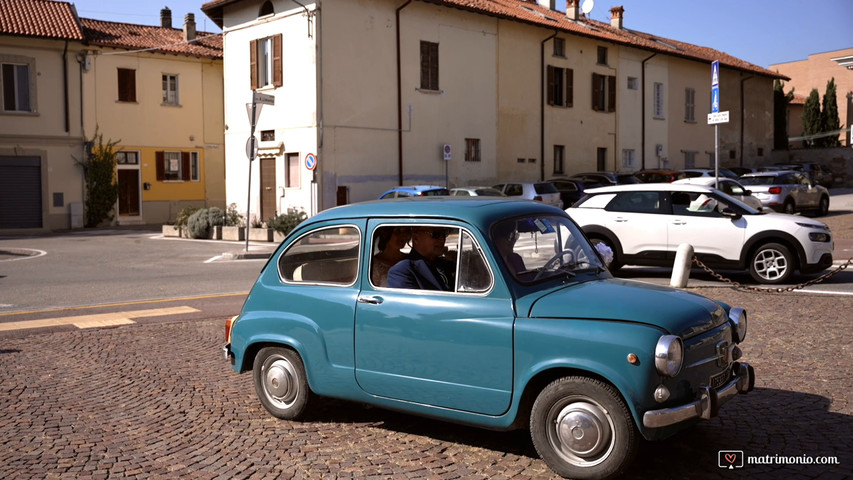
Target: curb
x=244, y=255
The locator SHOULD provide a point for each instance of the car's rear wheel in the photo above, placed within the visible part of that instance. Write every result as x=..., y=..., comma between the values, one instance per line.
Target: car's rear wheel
x=614, y=264
x=789, y=207
x=582, y=428
x=281, y=383
x=823, y=206
x=771, y=263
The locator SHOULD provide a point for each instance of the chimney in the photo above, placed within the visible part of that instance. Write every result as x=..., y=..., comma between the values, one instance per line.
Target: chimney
x=616, y=14
x=166, y=18
x=549, y=4
x=573, y=9
x=189, y=27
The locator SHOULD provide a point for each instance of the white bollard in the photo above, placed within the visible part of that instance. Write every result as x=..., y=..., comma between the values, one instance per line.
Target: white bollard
x=681, y=267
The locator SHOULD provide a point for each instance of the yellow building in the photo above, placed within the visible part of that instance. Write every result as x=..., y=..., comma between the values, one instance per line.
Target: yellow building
x=155, y=90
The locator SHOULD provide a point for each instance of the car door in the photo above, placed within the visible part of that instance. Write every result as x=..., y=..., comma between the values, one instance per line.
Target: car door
x=446, y=349
x=637, y=220
x=809, y=194
x=697, y=219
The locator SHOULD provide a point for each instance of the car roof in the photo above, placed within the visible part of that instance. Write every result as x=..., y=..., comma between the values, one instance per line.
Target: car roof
x=417, y=188
x=651, y=187
x=476, y=210
x=703, y=180
x=770, y=173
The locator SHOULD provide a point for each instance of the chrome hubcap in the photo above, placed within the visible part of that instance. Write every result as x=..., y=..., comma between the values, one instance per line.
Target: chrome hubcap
x=280, y=382
x=582, y=433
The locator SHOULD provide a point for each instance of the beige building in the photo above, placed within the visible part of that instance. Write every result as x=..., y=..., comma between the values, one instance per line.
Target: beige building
x=454, y=92
x=155, y=90
x=814, y=73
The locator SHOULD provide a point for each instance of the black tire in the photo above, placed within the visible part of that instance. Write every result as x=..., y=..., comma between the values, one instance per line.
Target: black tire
x=823, y=206
x=573, y=407
x=616, y=264
x=771, y=263
x=789, y=207
x=281, y=383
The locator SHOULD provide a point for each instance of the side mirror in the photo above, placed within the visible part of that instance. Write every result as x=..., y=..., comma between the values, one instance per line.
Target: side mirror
x=728, y=212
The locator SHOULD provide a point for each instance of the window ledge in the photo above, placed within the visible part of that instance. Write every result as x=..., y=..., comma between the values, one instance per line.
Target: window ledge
x=170, y=104
x=429, y=92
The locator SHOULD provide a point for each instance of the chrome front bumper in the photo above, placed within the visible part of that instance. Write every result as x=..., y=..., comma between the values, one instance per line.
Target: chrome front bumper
x=708, y=403
x=229, y=356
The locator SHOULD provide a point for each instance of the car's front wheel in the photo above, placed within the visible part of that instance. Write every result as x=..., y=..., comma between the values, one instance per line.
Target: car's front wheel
x=771, y=263
x=582, y=428
x=281, y=383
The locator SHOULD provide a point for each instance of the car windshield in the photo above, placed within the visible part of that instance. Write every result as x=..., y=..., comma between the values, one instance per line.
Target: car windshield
x=545, y=187
x=543, y=247
x=436, y=192
x=727, y=199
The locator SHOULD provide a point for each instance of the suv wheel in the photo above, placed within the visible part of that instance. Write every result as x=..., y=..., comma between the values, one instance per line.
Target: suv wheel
x=823, y=206
x=771, y=263
x=789, y=207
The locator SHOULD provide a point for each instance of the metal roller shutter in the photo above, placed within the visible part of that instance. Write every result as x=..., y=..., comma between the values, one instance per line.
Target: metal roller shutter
x=20, y=192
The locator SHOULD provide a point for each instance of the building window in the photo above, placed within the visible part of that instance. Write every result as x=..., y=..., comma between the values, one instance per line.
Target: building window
x=658, y=102
x=16, y=87
x=170, y=89
x=601, y=159
x=266, y=9
x=173, y=166
x=127, y=158
x=559, y=159
x=429, y=66
x=603, y=93
x=291, y=170
x=126, y=85
x=266, y=62
x=267, y=135
x=520, y=160
x=629, y=157
x=633, y=83
x=561, y=86
x=195, y=167
x=689, y=159
x=689, y=105
x=560, y=47
x=602, y=55
x=472, y=149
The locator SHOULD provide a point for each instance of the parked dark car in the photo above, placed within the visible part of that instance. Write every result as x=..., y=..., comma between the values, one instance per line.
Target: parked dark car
x=604, y=179
x=570, y=190
x=659, y=176
x=415, y=191
x=818, y=174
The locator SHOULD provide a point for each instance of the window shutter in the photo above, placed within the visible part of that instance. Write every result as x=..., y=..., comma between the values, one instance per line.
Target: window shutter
x=277, y=66
x=570, y=87
x=552, y=84
x=253, y=63
x=596, y=92
x=611, y=93
x=185, y=166
x=159, y=157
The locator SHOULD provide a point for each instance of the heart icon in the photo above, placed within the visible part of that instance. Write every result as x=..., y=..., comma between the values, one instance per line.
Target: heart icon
x=731, y=457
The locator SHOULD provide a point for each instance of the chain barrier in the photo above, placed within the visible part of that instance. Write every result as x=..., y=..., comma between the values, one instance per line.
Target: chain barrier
x=773, y=290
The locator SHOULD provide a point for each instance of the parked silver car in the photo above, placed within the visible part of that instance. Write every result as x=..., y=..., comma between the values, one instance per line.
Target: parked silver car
x=727, y=186
x=544, y=192
x=787, y=191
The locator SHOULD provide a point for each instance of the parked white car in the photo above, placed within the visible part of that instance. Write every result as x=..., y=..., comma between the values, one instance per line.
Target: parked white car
x=544, y=192
x=644, y=225
x=728, y=186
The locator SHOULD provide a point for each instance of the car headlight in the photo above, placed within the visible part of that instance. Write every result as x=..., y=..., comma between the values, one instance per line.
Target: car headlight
x=669, y=355
x=819, y=237
x=738, y=318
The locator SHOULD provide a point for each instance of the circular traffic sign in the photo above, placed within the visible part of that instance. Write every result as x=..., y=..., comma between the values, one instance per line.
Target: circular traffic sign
x=252, y=147
x=310, y=161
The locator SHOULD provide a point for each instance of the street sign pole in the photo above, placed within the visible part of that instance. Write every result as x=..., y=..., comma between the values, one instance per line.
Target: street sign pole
x=254, y=111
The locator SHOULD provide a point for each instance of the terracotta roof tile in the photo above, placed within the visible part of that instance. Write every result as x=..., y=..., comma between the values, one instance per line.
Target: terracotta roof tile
x=39, y=18
x=152, y=38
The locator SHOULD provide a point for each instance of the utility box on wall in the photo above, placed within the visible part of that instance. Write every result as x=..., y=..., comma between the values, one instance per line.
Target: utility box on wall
x=76, y=213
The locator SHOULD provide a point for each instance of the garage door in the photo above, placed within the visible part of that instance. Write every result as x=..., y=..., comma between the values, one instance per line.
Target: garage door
x=20, y=192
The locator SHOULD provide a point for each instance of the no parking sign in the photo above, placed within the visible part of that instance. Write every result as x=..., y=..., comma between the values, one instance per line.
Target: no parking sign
x=310, y=161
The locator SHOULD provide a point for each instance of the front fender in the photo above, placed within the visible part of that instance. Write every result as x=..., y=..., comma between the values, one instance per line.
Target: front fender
x=599, y=348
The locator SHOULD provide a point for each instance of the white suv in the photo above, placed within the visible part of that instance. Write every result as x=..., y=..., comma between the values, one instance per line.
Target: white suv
x=644, y=225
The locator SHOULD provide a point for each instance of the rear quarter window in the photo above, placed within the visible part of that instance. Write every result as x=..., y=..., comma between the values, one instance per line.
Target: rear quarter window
x=324, y=256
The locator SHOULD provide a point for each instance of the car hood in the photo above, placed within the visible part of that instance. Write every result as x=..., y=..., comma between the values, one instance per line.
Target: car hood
x=675, y=311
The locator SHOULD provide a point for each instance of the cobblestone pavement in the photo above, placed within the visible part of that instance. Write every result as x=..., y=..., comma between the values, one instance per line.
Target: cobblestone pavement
x=158, y=400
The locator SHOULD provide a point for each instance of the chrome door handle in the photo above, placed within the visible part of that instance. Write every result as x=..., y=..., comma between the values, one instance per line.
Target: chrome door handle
x=370, y=300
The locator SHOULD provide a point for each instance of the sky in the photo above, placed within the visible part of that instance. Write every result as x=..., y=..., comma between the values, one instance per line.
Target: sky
x=762, y=32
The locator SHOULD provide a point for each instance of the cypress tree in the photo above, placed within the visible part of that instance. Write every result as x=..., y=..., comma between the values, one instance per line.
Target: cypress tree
x=781, y=100
x=829, y=115
x=811, y=118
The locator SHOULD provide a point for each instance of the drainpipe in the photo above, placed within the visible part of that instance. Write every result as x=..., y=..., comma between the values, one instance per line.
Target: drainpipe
x=643, y=111
x=742, y=118
x=542, y=87
x=399, y=100
x=65, y=88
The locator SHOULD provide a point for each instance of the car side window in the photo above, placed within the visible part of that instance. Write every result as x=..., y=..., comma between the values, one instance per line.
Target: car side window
x=514, y=190
x=696, y=204
x=324, y=256
x=635, y=202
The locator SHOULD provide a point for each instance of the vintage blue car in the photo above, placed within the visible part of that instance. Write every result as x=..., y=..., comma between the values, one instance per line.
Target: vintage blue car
x=525, y=329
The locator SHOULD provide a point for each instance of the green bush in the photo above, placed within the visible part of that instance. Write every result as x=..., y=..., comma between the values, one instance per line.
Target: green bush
x=99, y=172
x=286, y=222
x=233, y=218
x=198, y=224
x=216, y=216
x=184, y=215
